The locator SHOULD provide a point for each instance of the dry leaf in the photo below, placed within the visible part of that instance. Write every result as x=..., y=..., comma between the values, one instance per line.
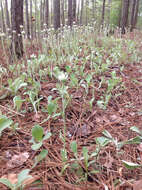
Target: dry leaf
x=18, y=160
x=11, y=177
x=109, y=161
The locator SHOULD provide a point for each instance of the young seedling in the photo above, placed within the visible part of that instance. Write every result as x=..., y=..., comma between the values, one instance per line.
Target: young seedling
x=38, y=137
x=4, y=123
x=22, y=176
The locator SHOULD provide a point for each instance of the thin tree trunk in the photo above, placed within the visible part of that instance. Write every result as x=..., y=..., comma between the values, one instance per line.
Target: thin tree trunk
x=109, y=10
x=41, y=14
x=93, y=9
x=87, y=4
x=27, y=19
x=136, y=13
x=47, y=13
x=78, y=11
x=7, y=15
x=36, y=22
x=74, y=10
x=124, y=17
x=31, y=18
x=56, y=14
x=103, y=13
x=16, y=21
x=62, y=13
x=70, y=18
x=52, y=12
x=81, y=14
x=3, y=19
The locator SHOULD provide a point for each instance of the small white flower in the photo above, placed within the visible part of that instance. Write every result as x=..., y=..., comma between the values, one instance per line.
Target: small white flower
x=32, y=56
x=2, y=34
x=62, y=76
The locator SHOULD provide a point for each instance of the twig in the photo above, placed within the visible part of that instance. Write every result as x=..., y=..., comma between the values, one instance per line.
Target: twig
x=4, y=107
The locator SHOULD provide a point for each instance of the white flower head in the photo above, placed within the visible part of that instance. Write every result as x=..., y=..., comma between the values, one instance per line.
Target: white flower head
x=62, y=76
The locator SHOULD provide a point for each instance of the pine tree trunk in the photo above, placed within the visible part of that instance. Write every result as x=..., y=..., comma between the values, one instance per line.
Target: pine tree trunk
x=3, y=19
x=78, y=11
x=93, y=9
x=56, y=14
x=62, y=12
x=70, y=15
x=87, y=3
x=103, y=13
x=36, y=27
x=109, y=10
x=41, y=14
x=74, y=10
x=124, y=17
x=81, y=14
x=27, y=19
x=7, y=15
x=16, y=21
x=136, y=13
x=47, y=13
x=31, y=18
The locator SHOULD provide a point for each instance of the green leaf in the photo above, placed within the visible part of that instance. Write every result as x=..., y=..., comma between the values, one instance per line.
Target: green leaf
x=85, y=153
x=131, y=165
x=135, y=140
x=64, y=155
x=37, y=132
x=107, y=134
x=17, y=102
x=23, y=175
x=4, y=123
x=51, y=108
x=135, y=129
x=47, y=136
x=6, y=182
x=36, y=146
x=40, y=157
x=94, y=172
x=73, y=146
x=102, y=141
x=64, y=168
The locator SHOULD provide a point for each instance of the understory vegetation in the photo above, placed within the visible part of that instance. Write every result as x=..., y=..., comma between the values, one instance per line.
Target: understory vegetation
x=70, y=111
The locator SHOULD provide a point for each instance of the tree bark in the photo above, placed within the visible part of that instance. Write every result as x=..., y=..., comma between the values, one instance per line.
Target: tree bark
x=62, y=12
x=74, y=10
x=124, y=15
x=47, y=13
x=16, y=21
x=3, y=19
x=81, y=13
x=78, y=11
x=27, y=19
x=136, y=13
x=103, y=13
x=56, y=14
x=31, y=18
x=93, y=9
x=7, y=15
x=70, y=15
x=41, y=14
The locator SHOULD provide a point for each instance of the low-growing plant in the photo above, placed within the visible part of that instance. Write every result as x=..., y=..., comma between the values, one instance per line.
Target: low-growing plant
x=38, y=137
x=4, y=123
x=22, y=176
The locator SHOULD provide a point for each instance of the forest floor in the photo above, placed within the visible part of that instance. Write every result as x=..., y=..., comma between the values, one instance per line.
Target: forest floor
x=104, y=171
